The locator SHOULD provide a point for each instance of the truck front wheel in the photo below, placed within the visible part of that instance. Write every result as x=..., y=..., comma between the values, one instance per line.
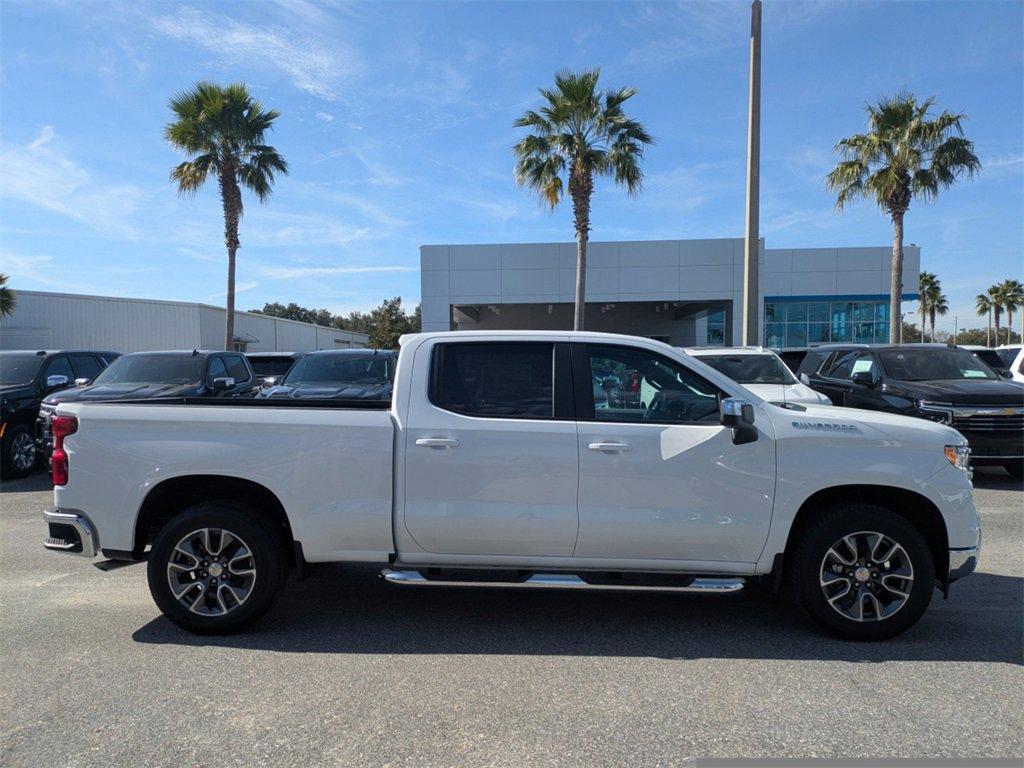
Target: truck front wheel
x=862, y=572
x=215, y=568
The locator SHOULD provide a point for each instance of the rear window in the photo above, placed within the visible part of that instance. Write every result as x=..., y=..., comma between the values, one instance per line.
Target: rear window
x=271, y=366
x=506, y=380
x=750, y=369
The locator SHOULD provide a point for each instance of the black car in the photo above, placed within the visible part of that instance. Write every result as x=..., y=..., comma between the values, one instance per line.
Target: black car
x=942, y=383
x=26, y=377
x=147, y=375
x=271, y=367
x=358, y=374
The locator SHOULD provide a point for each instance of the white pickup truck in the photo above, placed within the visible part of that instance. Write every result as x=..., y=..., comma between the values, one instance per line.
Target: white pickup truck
x=507, y=459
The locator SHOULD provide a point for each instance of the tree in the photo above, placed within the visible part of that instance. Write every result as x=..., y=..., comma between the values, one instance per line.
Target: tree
x=1013, y=299
x=222, y=130
x=581, y=133
x=995, y=295
x=937, y=305
x=388, y=322
x=7, y=298
x=926, y=281
x=911, y=334
x=905, y=154
x=983, y=305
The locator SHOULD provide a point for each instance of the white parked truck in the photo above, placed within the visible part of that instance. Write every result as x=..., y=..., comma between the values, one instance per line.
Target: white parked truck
x=501, y=461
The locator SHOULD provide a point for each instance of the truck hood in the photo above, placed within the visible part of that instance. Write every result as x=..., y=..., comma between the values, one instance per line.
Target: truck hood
x=332, y=391
x=788, y=393
x=120, y=392
x=960, y=391
x=823, y=419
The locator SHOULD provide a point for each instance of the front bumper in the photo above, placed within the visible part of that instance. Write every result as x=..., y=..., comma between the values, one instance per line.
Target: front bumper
x=962, y=562
x=70, y=532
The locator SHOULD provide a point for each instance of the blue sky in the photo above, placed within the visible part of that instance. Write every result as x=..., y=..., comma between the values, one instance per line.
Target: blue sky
x=397, y=123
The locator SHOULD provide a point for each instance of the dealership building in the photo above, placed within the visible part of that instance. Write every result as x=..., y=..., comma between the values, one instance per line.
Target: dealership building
x=684, y=292
x=44, y=320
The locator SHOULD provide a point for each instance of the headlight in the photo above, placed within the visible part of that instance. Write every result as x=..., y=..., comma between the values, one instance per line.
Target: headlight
x=939, y=412
x=959, y=456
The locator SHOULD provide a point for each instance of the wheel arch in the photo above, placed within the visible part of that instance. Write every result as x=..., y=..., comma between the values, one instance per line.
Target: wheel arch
x=170, y=496
x=914, y=507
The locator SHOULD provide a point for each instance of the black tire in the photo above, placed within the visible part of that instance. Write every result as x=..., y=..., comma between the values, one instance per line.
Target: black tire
x=12, y=460
x=808, y=555
x=268, y=561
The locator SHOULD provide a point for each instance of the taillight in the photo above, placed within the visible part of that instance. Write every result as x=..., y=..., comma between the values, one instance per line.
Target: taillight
x=61, y=427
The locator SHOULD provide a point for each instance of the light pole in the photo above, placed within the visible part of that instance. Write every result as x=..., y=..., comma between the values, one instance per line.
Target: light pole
x=752, y=237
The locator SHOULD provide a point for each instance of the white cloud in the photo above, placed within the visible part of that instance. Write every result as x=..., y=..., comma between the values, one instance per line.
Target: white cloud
x=42, y=174
x=35, y=268
x=239, y=288
x=327, y=117
x=287, y=273
x=313, y=67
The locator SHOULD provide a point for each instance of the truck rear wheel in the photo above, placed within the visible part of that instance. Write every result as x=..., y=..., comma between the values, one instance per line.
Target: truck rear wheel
x=215, y=568
x=862, y=572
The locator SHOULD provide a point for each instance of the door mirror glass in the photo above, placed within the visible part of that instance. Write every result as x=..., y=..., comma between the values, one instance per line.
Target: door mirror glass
x=56, y=381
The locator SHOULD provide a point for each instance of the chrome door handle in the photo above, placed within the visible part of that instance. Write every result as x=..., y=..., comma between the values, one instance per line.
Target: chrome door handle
x=438, y=442
x=611, y=447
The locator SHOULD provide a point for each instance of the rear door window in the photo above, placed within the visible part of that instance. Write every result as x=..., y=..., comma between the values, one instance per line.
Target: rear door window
x=504, y=380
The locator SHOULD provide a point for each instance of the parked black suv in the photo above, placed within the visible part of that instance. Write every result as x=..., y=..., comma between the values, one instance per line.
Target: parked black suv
x=943, y=383
x=191, y=373
x=26, y=377
x=361, y=374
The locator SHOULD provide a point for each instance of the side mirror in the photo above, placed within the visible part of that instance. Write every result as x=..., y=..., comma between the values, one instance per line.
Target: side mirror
x=1006, y=373
x=864, y=378
x=56, y=381
x=221, y=383
x=82, y=382
x=805, y=379
x=738, y=415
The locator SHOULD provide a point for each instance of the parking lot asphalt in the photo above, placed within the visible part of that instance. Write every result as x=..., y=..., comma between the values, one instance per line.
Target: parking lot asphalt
x=347, y=670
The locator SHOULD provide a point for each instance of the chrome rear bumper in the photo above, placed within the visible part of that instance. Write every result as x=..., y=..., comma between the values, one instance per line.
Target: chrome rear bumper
x=70, y=532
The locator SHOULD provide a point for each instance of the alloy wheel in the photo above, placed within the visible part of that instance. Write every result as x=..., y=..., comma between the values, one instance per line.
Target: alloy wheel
x=23, y=452
x=866, y=576
x=211, y=571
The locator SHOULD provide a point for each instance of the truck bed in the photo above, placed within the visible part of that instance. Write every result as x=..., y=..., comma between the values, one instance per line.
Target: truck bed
x=328, y=463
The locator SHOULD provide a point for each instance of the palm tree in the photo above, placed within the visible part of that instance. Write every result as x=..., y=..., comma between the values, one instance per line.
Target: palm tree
x=937, y=305
x=925, y=282
x=905, y=154
x=1013, y=299
x=983, y=305
x=581, y=133
x=221, y=129
x=7, y=298
x=995, y=295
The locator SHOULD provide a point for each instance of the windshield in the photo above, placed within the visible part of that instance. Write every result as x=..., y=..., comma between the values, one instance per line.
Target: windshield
x=750, y=369
x=271, y=366
x=339, y=369
x=933, y=364
x=19, y=369
x=1008, y=355
x=153, y=369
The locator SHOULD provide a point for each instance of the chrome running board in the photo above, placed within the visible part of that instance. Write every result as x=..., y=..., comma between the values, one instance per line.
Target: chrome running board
x=566, y=581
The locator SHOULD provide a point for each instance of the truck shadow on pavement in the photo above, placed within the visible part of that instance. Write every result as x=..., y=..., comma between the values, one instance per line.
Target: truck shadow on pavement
x=346, y=609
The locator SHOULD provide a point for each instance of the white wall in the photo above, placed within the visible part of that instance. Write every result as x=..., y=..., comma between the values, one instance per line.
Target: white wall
x=44, y=320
